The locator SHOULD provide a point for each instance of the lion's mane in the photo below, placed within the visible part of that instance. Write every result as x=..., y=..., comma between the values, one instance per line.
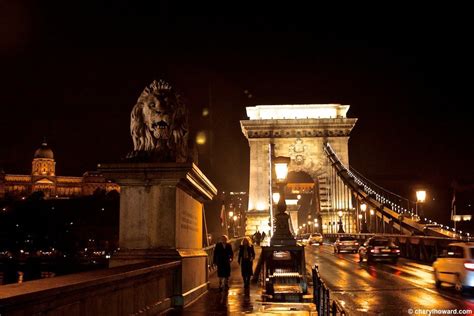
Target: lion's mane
x=159, y=132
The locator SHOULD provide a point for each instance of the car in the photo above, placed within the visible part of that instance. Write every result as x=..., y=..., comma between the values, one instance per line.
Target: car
x=315, y=239
x=379, y=249
x=346, y=243
x=305, y=239
x=455, y=266
x=431, y=226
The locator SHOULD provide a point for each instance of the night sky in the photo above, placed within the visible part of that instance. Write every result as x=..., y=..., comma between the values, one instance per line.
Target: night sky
x=72, y=73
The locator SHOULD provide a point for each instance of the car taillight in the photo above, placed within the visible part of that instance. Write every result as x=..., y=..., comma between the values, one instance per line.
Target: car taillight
x=357, y=244
x=469, y=266
x=372, y=250
x=338, y=243
x=396, y=250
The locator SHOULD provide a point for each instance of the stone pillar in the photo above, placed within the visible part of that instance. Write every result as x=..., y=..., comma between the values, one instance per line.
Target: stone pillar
x=161, y=219
x=259, y=190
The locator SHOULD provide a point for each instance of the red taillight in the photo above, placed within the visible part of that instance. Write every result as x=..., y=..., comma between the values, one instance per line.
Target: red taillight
x=469, y=266
x=372, y=250
x=396, y=250
x=357, y=244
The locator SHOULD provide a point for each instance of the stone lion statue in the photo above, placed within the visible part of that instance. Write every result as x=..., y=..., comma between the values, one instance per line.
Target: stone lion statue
x=159, y=125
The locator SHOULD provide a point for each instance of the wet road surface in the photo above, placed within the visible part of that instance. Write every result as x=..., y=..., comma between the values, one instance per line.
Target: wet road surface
x=383, y=288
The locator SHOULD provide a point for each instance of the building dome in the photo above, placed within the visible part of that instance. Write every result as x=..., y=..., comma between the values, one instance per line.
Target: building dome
x=44, y=152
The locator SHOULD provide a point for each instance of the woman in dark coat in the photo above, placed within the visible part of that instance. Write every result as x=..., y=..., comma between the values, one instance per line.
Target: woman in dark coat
x=223, y=256
x=246, y=256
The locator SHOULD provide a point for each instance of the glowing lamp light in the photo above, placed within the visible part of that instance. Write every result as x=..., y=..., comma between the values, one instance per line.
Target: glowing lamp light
x=235, y=218
x=231, y=214
x=339, y=213
x=363, y=207
x=281, y=167
x=298, y=196
x=261, y=206
x=372, y=212
x=201, y=138
x=421, y=196
x=360, y=216
x=276, y=197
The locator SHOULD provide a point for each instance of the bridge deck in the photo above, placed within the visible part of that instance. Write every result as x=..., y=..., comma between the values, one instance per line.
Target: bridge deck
x=238, y=300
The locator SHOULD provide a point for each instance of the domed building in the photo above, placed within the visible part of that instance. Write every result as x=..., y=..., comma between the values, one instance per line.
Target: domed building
x=43, y=178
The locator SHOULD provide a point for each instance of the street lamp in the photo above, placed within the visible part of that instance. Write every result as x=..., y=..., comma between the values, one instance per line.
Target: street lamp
x=276, y=197
x=235, y=223
x=341, y=229
x=363, y=208
x=282, y=234
x=372, y=213
x=420, y=198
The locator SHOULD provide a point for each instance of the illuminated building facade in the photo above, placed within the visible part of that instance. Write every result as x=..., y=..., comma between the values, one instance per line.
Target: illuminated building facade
x=236, y=207
x=297, y=131
x=43, y=178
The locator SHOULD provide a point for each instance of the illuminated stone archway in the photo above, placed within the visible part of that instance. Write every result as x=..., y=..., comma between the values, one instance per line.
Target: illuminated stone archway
x=297, y=131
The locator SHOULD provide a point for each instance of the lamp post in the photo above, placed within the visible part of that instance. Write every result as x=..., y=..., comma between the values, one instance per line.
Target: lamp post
x=235, y=223
x=282, y=235
x=363, y=216
x=341, y=229
x=420, y=198
x=371, y=220
x=230, y=227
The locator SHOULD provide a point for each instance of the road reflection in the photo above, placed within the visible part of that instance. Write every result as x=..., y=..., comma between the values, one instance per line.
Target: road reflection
x=382, y=288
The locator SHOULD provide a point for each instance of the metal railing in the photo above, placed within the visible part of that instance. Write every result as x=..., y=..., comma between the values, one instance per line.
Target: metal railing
x=321, y=297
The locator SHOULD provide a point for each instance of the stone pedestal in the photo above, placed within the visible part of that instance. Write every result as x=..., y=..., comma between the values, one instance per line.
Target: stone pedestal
x=257, y=220
x=161, y=218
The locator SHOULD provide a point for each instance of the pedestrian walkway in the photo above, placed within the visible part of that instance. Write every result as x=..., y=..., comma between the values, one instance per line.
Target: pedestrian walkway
x=237, y=300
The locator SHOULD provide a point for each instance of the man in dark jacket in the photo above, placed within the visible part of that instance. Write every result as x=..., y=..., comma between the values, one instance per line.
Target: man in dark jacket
x=223, y=256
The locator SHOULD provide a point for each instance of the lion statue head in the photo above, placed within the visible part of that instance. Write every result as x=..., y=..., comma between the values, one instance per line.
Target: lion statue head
x=159, y=125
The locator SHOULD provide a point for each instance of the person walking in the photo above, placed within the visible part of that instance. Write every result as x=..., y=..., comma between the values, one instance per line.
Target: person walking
x=258, y=238
x=223, y=256
x=246, y=256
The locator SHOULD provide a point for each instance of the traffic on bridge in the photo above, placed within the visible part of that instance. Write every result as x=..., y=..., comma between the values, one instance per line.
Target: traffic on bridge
x=383, y=288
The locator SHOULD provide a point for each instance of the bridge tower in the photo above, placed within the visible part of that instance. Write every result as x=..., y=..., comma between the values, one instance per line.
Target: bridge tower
x=299, y=132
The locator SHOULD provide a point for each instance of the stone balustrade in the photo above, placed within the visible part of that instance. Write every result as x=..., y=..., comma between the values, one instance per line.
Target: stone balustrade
x=145, y=288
